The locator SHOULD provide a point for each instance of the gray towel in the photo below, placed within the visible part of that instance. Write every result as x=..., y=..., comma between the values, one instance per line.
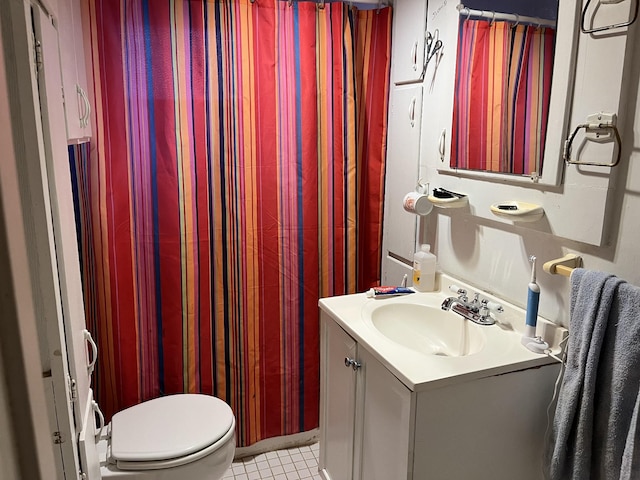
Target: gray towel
x=597, y=414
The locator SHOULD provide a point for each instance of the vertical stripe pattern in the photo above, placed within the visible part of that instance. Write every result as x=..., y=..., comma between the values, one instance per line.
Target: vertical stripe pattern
x=234, y=178
x=501, y=98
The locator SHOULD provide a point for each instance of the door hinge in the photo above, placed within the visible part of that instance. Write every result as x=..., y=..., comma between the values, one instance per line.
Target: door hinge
x=57, y=438
x=37, y=55
x=82, y=475
x=73, y=390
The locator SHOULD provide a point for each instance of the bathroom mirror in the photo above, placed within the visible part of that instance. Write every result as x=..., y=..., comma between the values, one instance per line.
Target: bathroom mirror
x=505, y=129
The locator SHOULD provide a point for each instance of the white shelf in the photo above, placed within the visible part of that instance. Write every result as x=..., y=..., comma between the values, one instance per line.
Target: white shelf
x=454, y=202
x=518, y=211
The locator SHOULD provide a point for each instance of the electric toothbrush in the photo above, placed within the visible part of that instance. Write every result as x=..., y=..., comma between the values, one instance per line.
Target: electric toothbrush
x=529, y=339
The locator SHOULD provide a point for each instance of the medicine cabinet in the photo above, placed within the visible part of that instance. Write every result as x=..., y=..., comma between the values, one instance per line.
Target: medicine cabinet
x=587, y=78
x=559, y=103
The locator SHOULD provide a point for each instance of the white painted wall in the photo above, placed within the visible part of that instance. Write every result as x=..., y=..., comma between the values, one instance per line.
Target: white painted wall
x=492, y=254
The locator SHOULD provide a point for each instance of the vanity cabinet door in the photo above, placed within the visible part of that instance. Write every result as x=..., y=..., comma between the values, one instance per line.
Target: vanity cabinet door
x=385, y=425
x=337, y=401
x=407, y=51
x=365, y=412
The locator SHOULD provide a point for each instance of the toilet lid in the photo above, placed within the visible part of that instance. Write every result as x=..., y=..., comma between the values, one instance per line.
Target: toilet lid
x=169, y=427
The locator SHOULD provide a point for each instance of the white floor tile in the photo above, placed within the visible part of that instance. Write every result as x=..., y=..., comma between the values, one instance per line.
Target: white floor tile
x=304, y=473
x=297, y=463
x=277, y=470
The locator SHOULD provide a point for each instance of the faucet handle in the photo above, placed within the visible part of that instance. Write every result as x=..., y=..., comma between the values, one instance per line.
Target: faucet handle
x=494, y=306
x=459, y=291
x=488, y=307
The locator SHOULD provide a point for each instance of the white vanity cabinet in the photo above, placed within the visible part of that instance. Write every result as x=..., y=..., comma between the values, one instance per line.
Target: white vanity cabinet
x=74, y=76
x=359, y=439
x=374, y=427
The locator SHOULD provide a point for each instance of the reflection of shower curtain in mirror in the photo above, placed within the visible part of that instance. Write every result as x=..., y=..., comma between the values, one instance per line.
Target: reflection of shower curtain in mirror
x=235, y=176
x=501, y=98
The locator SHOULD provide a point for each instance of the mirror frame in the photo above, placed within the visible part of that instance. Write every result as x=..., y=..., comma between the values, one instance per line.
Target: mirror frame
x=560, y=104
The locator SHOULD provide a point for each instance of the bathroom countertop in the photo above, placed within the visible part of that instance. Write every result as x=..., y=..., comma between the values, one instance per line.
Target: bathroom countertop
x=502, y=352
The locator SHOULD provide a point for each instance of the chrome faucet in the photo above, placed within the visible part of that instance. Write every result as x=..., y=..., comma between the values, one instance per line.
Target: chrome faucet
x=477, y=310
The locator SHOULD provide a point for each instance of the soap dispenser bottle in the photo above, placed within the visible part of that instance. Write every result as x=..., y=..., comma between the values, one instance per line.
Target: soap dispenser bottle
x=424, y=269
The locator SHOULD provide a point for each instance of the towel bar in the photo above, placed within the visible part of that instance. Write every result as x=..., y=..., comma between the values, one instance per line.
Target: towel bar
x=584, y=28
x=563, y=266
x=591, y=127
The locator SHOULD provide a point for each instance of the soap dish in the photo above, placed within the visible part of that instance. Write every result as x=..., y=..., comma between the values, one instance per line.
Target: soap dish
x=518, y=211
x=447, y=199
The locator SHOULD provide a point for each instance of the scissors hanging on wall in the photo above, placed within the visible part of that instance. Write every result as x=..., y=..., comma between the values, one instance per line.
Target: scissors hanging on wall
x=433, y=47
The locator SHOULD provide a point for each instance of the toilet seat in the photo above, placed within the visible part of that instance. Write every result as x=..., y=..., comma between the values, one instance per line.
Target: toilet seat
x=169, y=431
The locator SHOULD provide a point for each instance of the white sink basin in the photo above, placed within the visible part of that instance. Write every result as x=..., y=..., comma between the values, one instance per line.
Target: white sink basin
x=428, y=330
x=426, y=347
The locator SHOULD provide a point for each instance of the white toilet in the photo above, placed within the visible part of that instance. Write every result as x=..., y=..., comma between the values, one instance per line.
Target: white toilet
x=177, y=437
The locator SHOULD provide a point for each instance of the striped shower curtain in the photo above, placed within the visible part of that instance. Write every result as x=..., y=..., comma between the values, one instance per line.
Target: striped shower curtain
x=235, y=176
x=501, y=97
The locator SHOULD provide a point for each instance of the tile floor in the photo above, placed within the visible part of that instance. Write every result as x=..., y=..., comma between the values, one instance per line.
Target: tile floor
x=290, y=464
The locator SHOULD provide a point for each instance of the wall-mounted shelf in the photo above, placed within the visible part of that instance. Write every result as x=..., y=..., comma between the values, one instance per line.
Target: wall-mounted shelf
x=518, y=211
x=454, y=202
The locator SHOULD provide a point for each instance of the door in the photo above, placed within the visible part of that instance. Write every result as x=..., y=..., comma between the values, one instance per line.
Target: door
x=337, y=401
x=61, y=311
x=74, y=77
x=62, y=209
x=385, y=429
x=403, y=156
x=409, y=24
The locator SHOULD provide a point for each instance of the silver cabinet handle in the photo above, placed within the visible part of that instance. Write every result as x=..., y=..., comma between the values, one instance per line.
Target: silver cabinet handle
x=414, y=55
x=350, y=362
x=97, y=411
x=441, y=144
x=83, y=108
x=86, y=110
x=412, y=112
x=94, y=350
x=88, y=105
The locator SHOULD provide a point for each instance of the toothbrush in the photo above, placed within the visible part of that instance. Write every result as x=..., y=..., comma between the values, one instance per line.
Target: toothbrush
x=533, y=300
x=529, y=339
